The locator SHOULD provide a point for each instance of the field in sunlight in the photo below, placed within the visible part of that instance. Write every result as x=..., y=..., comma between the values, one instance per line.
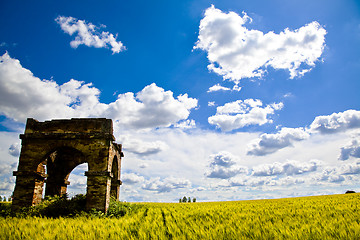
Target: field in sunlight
x=321, y=217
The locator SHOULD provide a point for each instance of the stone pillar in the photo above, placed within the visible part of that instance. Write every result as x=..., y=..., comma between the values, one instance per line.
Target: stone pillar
x=115, y=188
x=28, y=189
x=98, y=190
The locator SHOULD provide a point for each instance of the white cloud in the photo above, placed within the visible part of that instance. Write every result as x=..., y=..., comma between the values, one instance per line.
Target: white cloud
x=166, y=185
x=225, y=173
x=223, y=165
x=160, y=108
x=336, y=122
x=6, y=169
x=14, y=149
x=218, y=87
x=23, y=95
x=330, y=124
x=211, y=104
x=351, y=150
x=87, y=34
x=224, y=159
x=187, y=158
x=287, y=168
x=270, y=143
x=131, y=178
x=288, y=180
x=248, y=181
x=236, y=52
x=242, y=113
x=339, y=174
x=143, y=165
x=6, y=188
x=186, y=124
x=349, y=169
x=77, y=182
x=140, y=147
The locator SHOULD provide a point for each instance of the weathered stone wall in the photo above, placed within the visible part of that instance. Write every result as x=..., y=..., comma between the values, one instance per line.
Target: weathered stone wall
x=62, y=145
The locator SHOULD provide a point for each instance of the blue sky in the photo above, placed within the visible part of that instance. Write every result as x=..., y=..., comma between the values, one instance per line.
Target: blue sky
x=219, y=100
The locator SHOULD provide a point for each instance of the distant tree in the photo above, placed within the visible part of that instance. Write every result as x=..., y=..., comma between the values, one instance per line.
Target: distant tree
x=9, y=199
x=189, y=199
x=179, y=200
x=194, y=199
x=350, y=191
x=184, y=199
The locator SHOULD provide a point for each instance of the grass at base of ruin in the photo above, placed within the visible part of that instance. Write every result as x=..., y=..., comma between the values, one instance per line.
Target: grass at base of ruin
x=321, y=217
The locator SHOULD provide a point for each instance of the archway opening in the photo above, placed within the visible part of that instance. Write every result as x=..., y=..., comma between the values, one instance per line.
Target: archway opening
x=115, y=181
x=56, y=168
x=77, y=180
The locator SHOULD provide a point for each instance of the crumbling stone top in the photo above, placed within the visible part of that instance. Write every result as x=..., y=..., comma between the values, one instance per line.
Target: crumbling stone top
x=74, y=125
x=69, y=128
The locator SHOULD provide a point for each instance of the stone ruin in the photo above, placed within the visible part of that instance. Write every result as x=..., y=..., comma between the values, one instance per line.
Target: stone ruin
x=52, y=149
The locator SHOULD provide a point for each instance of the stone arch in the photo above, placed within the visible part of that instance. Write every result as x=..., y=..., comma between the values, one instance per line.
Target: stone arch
x=115, y=178
x=52, y=149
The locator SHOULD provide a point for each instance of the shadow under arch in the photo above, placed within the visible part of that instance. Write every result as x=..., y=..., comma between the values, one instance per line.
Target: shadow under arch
x=59, y=163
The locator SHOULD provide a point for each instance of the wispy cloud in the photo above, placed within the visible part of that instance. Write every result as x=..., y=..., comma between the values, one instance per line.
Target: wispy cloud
x=88, y=34
x=218, y=87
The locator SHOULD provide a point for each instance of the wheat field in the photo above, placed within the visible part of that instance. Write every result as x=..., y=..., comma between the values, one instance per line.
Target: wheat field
x=320, y=217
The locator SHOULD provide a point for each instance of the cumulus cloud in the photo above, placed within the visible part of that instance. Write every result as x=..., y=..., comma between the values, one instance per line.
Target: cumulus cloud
x=236, y=52
x=165, y=185
x=223, y=165
x=351, y=150
x=160, y=108
x=14, y=149
x=131, y=178
x=242, y=113
x=225, y=173
x=349, y=169
x=328, y=124
x=264, y=181
x=77, y=182
x=140, y=147
x=223, y=159
x=270, y=143
x=23, y=95
x=6, y=187
x=287, y=168
x=336, y=122
x=88, y=34
x=6, y=168
x=338, y=174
